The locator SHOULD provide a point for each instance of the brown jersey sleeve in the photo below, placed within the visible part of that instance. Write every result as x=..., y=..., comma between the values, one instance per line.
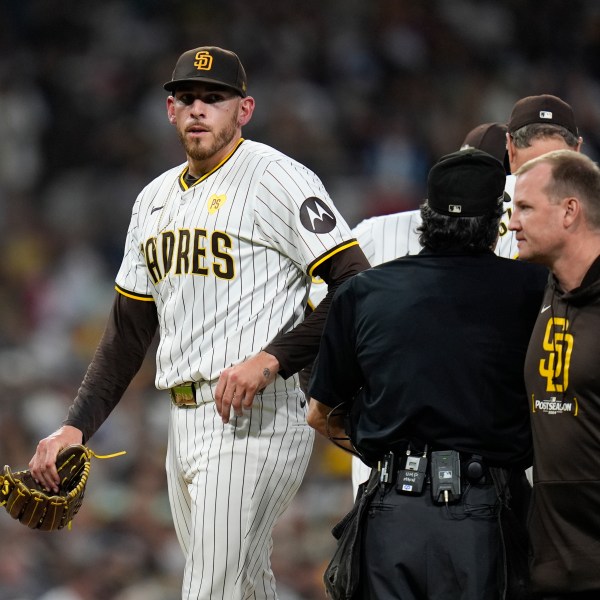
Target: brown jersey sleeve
x=297, y=348
x=129, y=332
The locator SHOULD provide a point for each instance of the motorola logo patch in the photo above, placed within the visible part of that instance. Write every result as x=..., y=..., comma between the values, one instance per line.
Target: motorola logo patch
x=316, y=216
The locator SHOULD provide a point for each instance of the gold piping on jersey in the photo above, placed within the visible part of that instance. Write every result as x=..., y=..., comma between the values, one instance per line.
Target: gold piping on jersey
x=142, y=297
x=319, y=261
x=184, y=186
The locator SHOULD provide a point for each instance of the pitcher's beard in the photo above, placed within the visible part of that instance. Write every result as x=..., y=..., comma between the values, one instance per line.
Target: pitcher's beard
x=195, y=149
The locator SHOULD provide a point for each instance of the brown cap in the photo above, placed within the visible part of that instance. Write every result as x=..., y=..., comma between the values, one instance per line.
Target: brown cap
x=211, y=65
x=467, y=183
x=489, y=137
x=542, y=109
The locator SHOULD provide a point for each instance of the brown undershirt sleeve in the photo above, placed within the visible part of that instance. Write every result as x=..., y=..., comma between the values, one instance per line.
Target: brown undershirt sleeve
x=129, y=332
x=297, y=348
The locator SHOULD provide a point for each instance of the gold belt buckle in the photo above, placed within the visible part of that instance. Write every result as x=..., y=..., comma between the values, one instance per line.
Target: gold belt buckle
x=184, y=395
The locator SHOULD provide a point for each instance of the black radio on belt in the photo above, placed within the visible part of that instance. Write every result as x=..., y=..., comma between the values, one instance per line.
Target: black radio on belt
x=445, y=476
x=411, y=479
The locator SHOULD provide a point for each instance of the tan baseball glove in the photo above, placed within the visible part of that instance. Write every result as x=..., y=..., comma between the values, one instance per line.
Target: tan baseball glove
x=26, y=501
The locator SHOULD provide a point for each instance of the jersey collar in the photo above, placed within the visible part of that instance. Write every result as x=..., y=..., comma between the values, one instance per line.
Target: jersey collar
x=185, y=184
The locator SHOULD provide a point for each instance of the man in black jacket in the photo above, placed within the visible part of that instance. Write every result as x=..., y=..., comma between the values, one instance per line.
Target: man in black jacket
x=428, y=353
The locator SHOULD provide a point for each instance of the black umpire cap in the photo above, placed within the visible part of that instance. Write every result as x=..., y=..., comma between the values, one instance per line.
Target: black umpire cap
x=467, y=183
x=209, y=64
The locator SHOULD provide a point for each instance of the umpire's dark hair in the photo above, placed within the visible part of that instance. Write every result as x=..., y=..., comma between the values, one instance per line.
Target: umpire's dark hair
x=473, y=234
x=523, y=136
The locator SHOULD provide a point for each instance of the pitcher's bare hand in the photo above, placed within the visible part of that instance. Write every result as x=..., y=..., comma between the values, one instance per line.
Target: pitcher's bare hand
x=239, y=384
x=43, y=463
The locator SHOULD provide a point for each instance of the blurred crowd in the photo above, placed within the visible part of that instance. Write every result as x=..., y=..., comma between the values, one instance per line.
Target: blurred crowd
x=368, y=94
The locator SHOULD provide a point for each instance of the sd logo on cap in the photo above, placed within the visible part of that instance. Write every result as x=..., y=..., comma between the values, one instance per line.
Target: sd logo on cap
x=212, y=65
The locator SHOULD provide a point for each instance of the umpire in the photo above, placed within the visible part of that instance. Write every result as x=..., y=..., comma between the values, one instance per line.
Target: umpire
x=431, y=349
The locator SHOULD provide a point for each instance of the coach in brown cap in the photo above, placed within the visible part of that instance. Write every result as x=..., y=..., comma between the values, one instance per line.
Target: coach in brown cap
x=540, y=124
x=537, y=125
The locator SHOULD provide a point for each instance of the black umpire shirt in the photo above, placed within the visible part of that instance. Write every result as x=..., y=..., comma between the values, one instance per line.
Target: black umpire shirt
x=431, y=348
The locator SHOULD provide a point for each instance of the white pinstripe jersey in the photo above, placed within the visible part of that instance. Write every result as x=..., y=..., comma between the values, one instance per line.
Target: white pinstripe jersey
x=387, y=237
x=228, y=261
x=507, y=243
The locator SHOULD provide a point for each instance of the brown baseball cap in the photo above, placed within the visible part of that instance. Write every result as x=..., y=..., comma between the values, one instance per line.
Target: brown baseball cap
x=542, y=109
x=489, y=137
x=467, y=183
x=209, y=64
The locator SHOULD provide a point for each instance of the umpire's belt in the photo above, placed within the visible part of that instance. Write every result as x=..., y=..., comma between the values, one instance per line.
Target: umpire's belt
x=473, y=467
x=191, y=395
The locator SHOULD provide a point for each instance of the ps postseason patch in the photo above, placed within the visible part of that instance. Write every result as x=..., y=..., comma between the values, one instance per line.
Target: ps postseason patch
x=316, y=216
